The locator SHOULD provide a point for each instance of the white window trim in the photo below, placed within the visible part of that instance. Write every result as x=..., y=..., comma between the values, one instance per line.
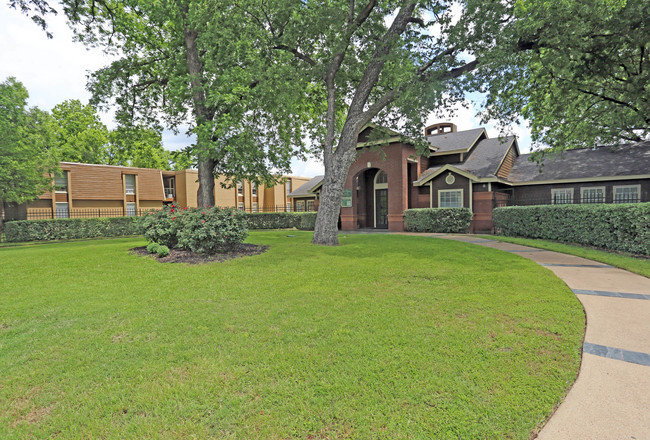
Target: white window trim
x=375, y=187
x=558, y=190
x=584, y=188
x=638, y=191
x=126, y=188
x=462, y=196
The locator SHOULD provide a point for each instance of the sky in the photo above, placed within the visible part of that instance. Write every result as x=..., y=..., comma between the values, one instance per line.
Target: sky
x=54, y=70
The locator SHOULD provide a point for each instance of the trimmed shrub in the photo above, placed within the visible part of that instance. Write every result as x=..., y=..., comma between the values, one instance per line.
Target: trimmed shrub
x=455, y=220
x=273, y=220
x=152, y=248
x=69, y=228
x=307, y=221
x=162, y=251
x=622, y=227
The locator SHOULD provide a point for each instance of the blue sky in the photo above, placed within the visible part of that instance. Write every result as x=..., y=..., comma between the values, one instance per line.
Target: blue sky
x=55, y=70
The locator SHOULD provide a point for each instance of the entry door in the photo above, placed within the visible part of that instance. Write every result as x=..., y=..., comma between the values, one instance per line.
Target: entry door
x=381, y=209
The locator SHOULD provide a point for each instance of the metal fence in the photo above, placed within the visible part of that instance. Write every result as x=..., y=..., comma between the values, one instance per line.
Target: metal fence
x=44, y=214
x=509, y=200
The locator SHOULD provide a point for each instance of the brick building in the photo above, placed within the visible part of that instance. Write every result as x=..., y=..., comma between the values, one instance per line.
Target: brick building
x=468, y=169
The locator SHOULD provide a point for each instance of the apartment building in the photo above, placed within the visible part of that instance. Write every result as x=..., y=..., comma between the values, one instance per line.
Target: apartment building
x=89, y=190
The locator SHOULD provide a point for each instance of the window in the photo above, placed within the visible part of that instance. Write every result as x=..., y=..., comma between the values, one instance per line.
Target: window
x=254, y=207
x=240, y=188
x=450, y=198
x=240, y=206
x=129, y=180
x=288, y=206
x=592, y=195
x=62, y=210
x=627, y=194
x=562, y=196
x=130, y=209
x=300, y=205
x=311, y=205
x=61, y=182
x=381, y=177
x=288, y=186
x=254, y=189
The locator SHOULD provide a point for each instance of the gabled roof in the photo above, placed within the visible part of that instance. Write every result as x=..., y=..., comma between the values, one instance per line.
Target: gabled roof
x=485, y=159
x=482, y=163
x=455, y=142
x=624, y=160
x=309, y=188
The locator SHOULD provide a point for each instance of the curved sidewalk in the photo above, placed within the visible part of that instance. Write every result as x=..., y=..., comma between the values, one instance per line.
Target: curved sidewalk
x=611, y=397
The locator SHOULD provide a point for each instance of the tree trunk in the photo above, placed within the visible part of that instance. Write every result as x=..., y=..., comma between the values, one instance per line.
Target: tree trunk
x=205, y=193
x=329, y=209
x=2, y=216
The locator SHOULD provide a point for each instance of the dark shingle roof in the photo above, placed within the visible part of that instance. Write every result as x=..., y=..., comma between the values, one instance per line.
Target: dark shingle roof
x=486, y=157
x=305, y=189
x=624, y=160
x=459, y=140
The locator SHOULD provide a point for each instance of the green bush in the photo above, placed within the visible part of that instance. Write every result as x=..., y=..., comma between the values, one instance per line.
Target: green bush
x=307, y=221
x=273, y=220
x=622, y=227
x=200, y=230
x=455, y=220
x=162, y=251
x=152, y=248
x=69, y=228
x=161, y=226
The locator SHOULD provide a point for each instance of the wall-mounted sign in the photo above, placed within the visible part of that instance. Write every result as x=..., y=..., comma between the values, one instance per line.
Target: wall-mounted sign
x=346, y=200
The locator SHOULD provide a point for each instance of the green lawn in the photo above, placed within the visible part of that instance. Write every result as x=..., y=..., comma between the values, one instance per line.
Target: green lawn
x=636, y=264
x=383, y=337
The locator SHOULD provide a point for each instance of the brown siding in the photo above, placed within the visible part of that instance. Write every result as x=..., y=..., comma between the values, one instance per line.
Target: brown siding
x=460, y=183
x=150, y=184
x=542, y=193
x=508, y=162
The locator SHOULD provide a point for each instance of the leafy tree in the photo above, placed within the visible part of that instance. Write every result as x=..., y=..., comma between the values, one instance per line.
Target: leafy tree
x=578, y=71
x=137, y=146
x=191, y=61
x=387, y=61
x=26, y=160
x=79, y=134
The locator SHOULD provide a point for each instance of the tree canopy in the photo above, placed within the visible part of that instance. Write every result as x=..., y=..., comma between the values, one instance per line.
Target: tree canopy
x=26, y=159
x=579, y=72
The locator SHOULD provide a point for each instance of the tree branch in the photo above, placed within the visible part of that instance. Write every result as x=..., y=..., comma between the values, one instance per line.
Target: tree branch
x=297, y=54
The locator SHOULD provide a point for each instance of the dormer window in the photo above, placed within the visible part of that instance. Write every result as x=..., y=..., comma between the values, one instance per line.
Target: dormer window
x=440, y=128
x=61, y=182
x=129, y=183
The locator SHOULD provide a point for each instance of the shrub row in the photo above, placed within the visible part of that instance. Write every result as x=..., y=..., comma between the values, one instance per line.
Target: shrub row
x=69, y=228
x=622, y=227
x=455, y=220
x=281, y=220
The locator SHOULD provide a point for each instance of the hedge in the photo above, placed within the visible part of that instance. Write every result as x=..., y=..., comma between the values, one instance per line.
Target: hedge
x=281, y=220
x=455, y=220
x=68, y=228
x=621, y=227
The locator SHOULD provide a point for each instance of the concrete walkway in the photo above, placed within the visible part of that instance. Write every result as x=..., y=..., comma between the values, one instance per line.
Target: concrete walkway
x=611, y=397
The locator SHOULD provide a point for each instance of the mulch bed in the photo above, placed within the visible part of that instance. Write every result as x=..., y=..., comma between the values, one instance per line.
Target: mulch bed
x=182, y=256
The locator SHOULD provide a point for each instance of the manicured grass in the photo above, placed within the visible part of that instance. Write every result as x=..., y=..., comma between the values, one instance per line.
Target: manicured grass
x=636, y=264
x=383, y=337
